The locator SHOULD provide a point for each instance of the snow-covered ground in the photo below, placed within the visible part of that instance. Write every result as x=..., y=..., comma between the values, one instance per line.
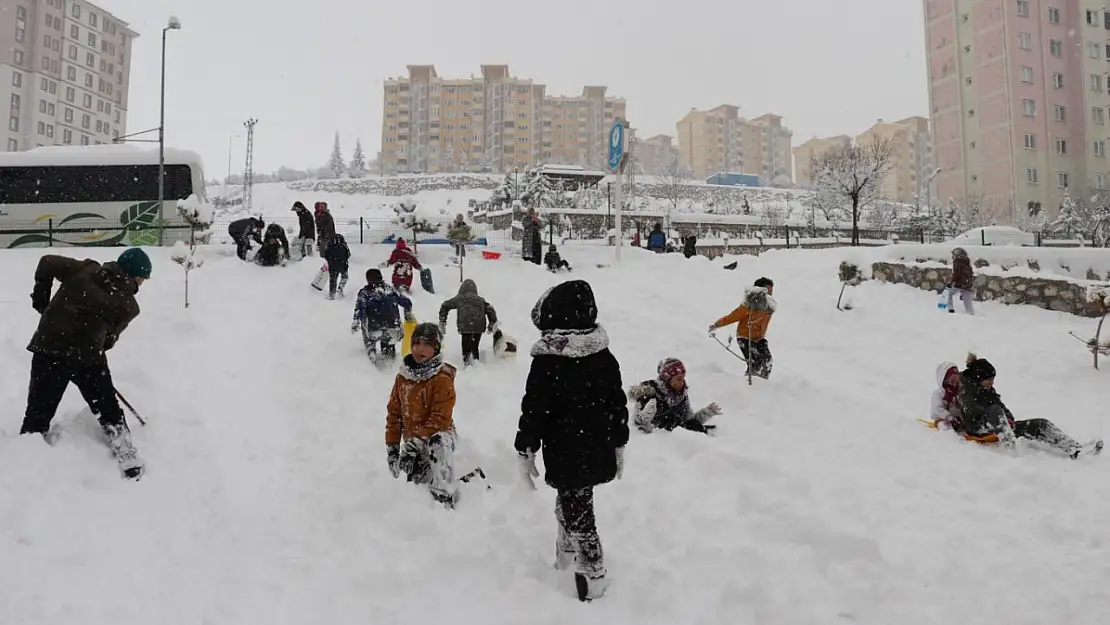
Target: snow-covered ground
x=267, y=498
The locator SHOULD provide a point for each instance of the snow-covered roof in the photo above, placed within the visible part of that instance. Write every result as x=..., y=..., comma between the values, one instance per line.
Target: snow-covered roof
x=569, y=170
x=115, y=154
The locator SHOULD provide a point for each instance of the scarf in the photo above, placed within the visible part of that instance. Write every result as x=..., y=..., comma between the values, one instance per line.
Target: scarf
x=419, y=372
x=572, y=343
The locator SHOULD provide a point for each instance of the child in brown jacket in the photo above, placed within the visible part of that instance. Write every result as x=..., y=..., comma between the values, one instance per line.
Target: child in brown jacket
x=752, y=319
x=419, y=415
x=963, y=279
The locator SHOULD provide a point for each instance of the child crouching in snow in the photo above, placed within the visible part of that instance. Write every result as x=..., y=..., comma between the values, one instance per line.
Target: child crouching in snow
x=419, y=415
x=984, y=414
x=752, y=319
x=554, y=261
x=665, y=402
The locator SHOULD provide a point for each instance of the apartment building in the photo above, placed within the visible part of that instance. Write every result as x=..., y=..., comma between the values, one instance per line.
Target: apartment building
x=493, y=122
x=815, y=148
x=65, y=66
x=911, y=166
x=1019, y=98
x=654, y=155
x=719, y=140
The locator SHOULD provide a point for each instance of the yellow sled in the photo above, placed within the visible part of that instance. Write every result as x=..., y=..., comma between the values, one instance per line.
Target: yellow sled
x=982, y=440
x=406, y=341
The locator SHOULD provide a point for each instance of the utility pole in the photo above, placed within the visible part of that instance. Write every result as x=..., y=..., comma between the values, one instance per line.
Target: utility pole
x=248, y=170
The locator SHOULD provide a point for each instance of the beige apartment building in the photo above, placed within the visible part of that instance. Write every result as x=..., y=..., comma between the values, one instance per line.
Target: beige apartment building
x=719, y=140
x=815, y=148
x=495, y=122
x=910, y=174
x=653, y=156
x=65, y=66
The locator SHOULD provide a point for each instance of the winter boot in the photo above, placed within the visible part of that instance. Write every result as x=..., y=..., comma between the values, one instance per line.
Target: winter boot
x=331, y=295
x=1093, y=448
x=119, y=441
x=590, y=586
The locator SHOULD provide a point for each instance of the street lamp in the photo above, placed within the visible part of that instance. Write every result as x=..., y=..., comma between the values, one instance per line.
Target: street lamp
x=173, y=24
x=227, y=180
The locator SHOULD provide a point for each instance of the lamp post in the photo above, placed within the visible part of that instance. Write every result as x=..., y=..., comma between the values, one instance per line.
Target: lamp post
x=173, y=24
x=227, y=180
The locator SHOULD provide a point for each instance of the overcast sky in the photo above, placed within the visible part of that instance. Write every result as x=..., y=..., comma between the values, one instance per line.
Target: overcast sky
x=306, y=70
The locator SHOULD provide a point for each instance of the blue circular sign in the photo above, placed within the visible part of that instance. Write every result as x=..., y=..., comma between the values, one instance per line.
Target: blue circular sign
x=616, y=144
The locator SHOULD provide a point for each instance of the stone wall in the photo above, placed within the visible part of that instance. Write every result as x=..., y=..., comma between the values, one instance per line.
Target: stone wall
x=1048, y=293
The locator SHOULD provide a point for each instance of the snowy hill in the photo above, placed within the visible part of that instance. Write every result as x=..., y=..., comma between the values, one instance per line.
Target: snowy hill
x=821, y=500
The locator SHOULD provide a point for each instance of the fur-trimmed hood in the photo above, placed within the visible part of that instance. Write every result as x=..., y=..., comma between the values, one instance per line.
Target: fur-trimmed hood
x=572, y=343
x=757, y=298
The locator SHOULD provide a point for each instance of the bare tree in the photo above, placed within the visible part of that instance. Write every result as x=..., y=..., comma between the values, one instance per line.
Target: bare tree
x=676, y=178
x=773, y=218
x=884, y=214
x=854, y=174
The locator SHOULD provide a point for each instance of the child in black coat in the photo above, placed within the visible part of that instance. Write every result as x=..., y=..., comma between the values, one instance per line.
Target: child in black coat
x=574, y=410
x=554, y=261
x=338, y=256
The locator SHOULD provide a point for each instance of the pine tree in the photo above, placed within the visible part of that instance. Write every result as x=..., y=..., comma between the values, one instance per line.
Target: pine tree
x=358, y=161
x=1069, y=222
x=335, y=163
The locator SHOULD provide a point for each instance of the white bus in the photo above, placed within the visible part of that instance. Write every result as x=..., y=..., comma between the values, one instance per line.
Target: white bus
x=94, y=196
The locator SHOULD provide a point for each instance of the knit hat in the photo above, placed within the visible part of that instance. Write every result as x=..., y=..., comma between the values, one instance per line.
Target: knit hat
x=298, y=206
x=567, y=306
x=979, y=369
x=764, y=283
x=427, y=333
x=670, y=367
x=374, y=276
x=551, y=248
x=321, y=206
x=135, y=263
x=401, y=244
x=958, y=252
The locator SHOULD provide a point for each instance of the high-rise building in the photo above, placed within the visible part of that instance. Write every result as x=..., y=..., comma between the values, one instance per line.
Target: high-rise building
x=719, y=140
x=495, y=122
x=654, y=155
x=815, y=148
x=1019, y=101
x=911, y=163
x=65, y=66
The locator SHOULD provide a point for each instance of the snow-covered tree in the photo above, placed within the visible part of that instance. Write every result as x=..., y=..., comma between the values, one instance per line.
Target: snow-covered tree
x=357, y=168
x=336, y=163
x=1099, y=211
x=883, y=214
x=1070, y=221
x=410, y=217
x=773, y=218
x=854, y=174
x=676, y=180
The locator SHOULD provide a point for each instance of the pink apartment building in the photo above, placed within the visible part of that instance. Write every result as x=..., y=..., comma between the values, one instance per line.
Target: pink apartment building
x=1018, y=94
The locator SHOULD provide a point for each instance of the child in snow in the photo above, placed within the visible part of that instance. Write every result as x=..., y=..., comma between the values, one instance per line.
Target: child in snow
x=657, y=239
x=984, y=414
x=376, y=315
x=338, y=256
x=473, y=311
x=574, y=410
x=944, y=405
x=419, y=415
x=306, y=236
x=665, y=403
x=325, y=226
x=404, y=263
x=459, y=235
x=554, y=261
x=275, y=247
x=752, y=319
x=242, y=231
x=963, y=280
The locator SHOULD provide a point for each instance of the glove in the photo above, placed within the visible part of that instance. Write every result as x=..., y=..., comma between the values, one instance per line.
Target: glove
x=354, y=327
x=712, y=328
x=383, y=265
x=713, y=409
x=620, y=462
x=409, y=316
x=393, y=456
x=493, y=327
x=526, y=462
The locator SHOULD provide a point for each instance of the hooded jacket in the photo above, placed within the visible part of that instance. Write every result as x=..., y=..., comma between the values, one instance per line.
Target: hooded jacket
x=377, y=305
x=944, y=405
x=659, y=406
x=574, y=407
x=275, y=234
x=981, y=407
x=307, y=224
x=248, y=227
x=963, y=276
x=325, y=223
x=657, y=240
x=755, y=312
x=92, y=307
x=473, y=310
x=337, y=254
x=422, y=402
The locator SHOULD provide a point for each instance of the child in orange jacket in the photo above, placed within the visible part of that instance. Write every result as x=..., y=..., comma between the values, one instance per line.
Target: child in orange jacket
x=419, y=414
x=752, y=319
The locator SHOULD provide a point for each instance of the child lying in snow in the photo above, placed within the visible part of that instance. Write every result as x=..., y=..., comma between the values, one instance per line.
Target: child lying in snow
x=664, y=402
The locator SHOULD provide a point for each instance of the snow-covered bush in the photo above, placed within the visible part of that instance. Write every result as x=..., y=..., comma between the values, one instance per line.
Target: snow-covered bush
x=199, y=215
x=184, y=255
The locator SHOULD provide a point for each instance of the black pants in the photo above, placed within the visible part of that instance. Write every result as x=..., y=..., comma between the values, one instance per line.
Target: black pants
x=574, y=509
x=562, y=264
x=470, y=344
x=335, y=270
x=51, y=375
x=759, y=353
x=1040, y=430
x=242, y=246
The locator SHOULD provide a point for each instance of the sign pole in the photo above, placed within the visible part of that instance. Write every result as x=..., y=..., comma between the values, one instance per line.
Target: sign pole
x=616, y=163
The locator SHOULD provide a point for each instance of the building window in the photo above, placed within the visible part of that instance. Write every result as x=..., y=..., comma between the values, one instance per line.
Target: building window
x=17, y=56
x=1061, y=146
x=1092, y=17
x=1096, y=82
x=17, y=79
x=92, y=40
x=67, y=136
x=90, y=59
x=72, y=52
x=13, y=124
x=76, y=10
x=1094, y=50
x=92, y=19
x=1100, y=148
x=1054, y=15
x=1098, y=115
x=1025, y=41
x=1026, y=75
x=1030, y=141
x=71, y=73
x=53, y=87
x=88, y=81
x=70, y=94
x=20, y=32
x=84, y=139
x=13, y=145
x=50, y=130
x=88, y=101
x=1100, y=181
x=75, y=32
x=1062, y=179
x=1031, y=175
x=1023, y=8
x=42, y=106
x=44, y=84
x=85, y=123
x=69, y=115
x=42, y=128
x=1057, y=80
x=1029, y=107
x=50, y=109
